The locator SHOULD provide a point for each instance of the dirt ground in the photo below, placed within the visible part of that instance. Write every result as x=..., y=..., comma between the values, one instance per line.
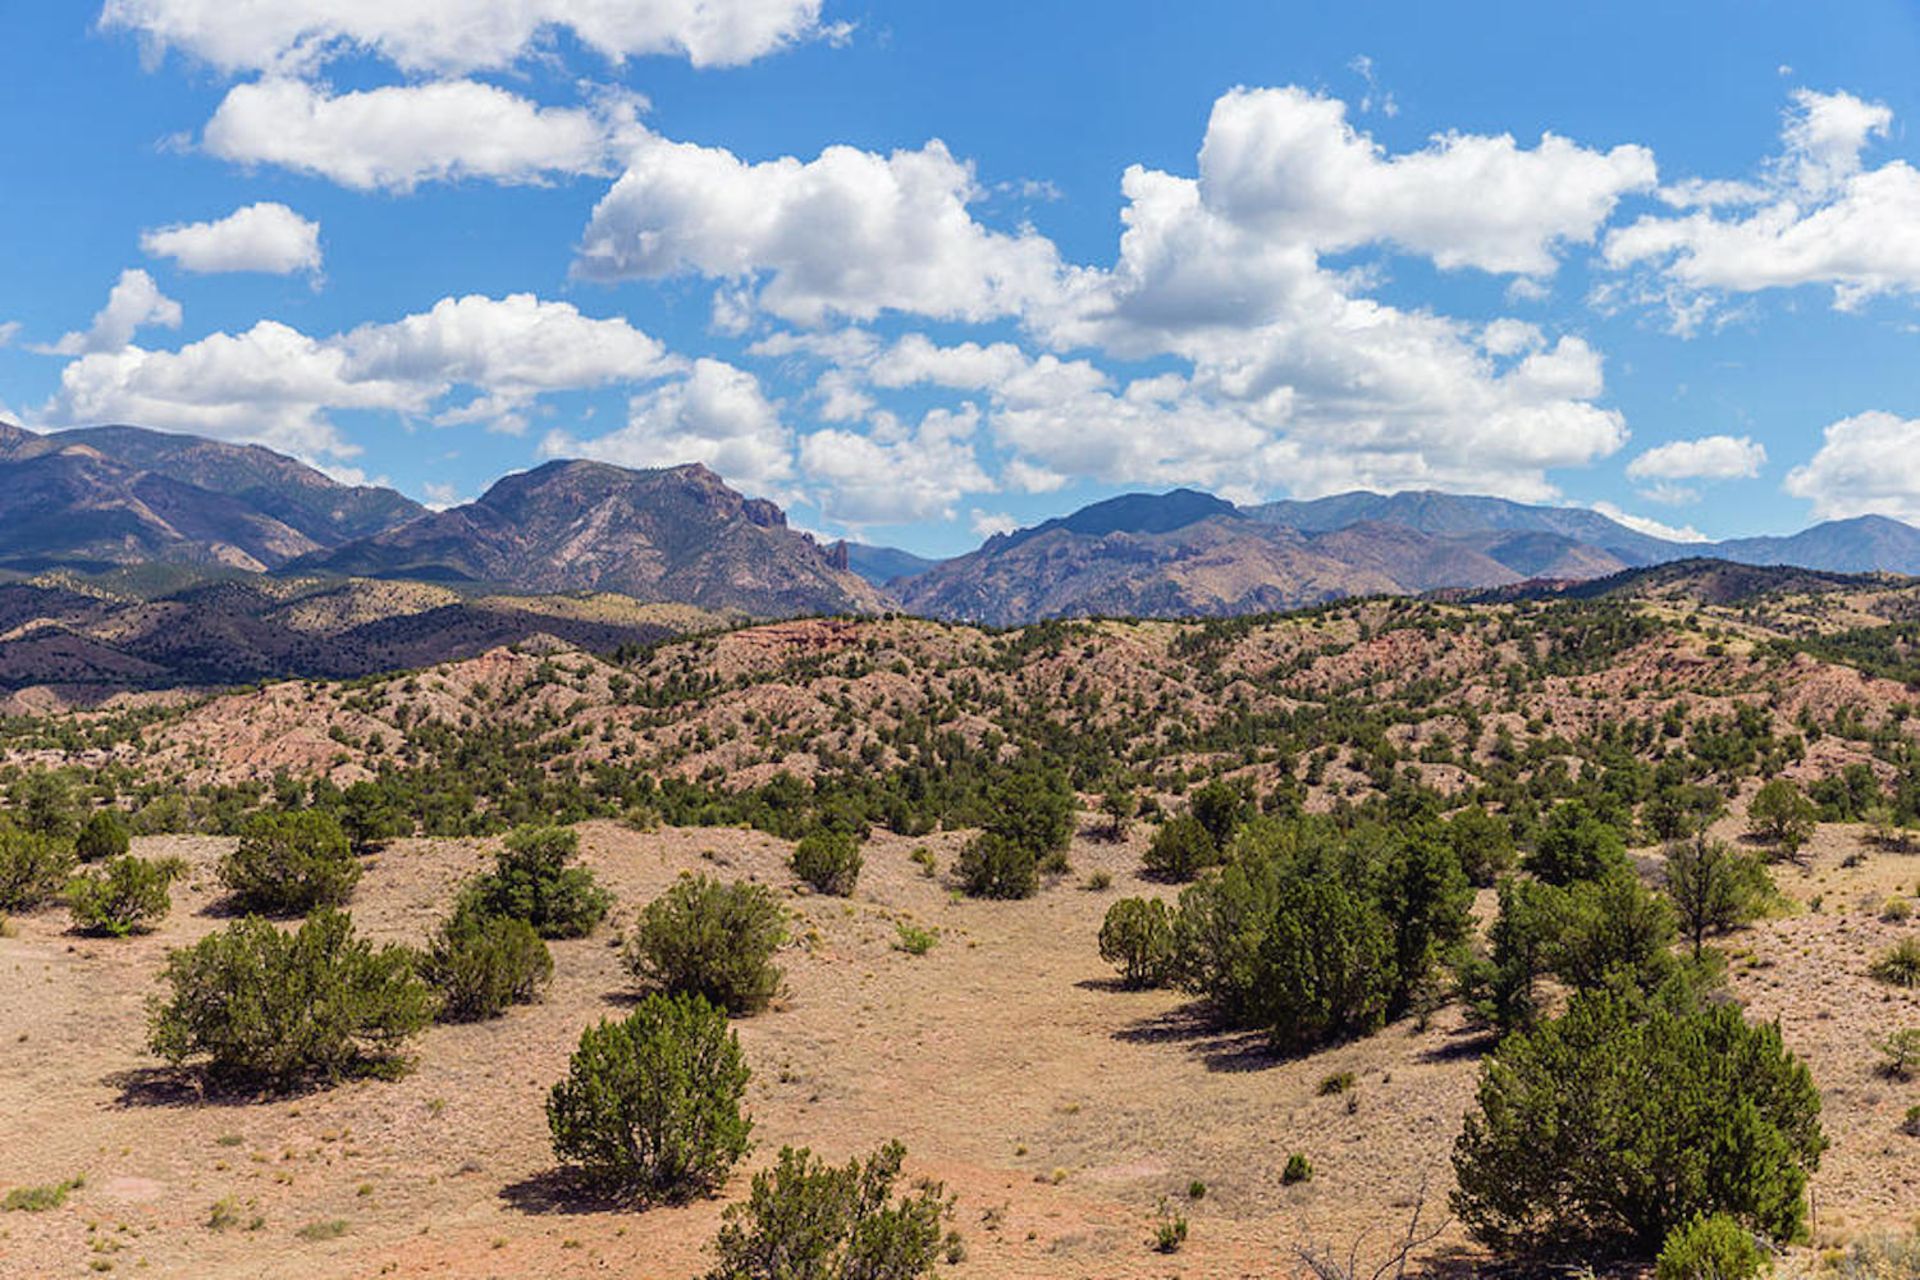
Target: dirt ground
x=1060, y=1110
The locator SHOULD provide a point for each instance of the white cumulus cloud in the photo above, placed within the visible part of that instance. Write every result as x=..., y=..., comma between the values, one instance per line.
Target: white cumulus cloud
x=134, y=303
x=717, y=415
x=1867, y=464
x=849, y=233
x=463, y=35
x=266, y=236
x=275, y=385
x=1818, y=216
x=398, y=136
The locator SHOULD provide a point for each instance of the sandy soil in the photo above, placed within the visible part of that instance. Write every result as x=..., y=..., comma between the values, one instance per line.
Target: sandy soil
x=1060, y=1110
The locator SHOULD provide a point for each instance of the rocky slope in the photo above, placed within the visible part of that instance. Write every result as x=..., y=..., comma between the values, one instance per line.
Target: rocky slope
x=121, y=495
x=677, y=534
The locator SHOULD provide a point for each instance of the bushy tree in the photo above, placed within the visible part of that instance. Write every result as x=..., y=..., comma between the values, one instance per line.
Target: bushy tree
x=1328, y=965
x=103, y=835
x=1575, y=844
x=1482, y=843
x=650, y=1105
x=290, y=863
x=44, y=804
x=1032, y=808
x=1503, y=988
x=533, y=880
x=1781, y=814
x=995, y=866
x=263, y=1005
x=127, y=895
x=479, y=964
x=1626, y=1117
x=1028, y=821
x=371, y=816
x=809, y=1220
x=1714, y=888
x=1428, y=904
x=1612, y=932
x=828, y=860
x=710, y=939
x=33, y=867
x=1180, y=850
x=1136, y=937
x=1220, y=808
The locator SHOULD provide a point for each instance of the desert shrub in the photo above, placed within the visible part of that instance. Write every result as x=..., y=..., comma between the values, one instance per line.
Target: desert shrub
x=1170, y=1231
x=1336, y=1083
x=1881, y=1257
x=39, y=1199
x=1781, y=815
x=808, y=1220
x=1574, y=844
x=1901, y=1049
x=480, y=964
x=913, y=939
x=103, y=835
x=830, y=861
x=532, y=880
x=1714, y=888
x=650, y=1105
x=1711, y=1247
x=710, y=939
x=127, y=895
x=993, y=866
x=1181, y=849
x=290, y=863
x=1899, y=964
x=263, y=1005
x=1627, y=1117
x=1482, y=843
x=1298, y=1169
x=1137, y=939
x=33, y=867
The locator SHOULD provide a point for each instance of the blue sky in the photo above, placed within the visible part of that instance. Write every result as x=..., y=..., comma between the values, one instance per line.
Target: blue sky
x=868, y=259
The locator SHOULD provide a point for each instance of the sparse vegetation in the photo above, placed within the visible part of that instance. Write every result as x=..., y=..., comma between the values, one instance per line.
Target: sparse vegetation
x=39, y=1199
x=1899, y=965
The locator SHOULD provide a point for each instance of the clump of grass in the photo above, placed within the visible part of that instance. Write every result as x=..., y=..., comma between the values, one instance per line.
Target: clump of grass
x=1299, y=1169
x=330, y=1229
x=1196, y=1190
x=1899, y=964
x=913, y=939
x=1338, y=1082
x=1170, y=1232
x=924, y=859
x=39, y=1199
x=1098, y=882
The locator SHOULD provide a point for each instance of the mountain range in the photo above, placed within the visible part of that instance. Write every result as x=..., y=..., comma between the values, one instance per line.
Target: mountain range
x=114, y=498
